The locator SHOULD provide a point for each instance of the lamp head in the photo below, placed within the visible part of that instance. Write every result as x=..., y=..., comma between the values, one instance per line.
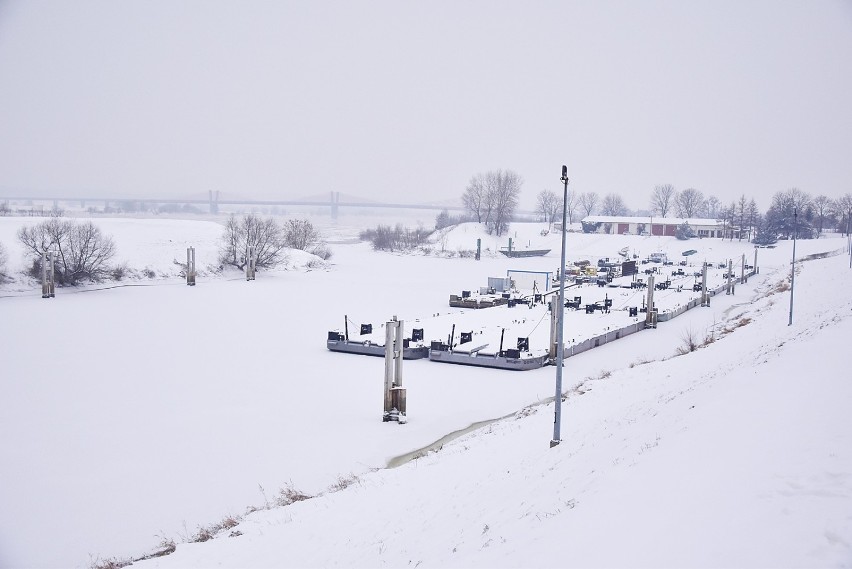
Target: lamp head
x=564, y=172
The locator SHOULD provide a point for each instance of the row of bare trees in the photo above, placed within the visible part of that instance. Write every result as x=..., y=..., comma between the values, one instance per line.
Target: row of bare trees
x=491, y=198
x=741, y=218
x=549, y=205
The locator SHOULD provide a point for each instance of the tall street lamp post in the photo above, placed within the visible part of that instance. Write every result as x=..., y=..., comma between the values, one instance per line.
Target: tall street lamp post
x=793, y=266
x=560, y=314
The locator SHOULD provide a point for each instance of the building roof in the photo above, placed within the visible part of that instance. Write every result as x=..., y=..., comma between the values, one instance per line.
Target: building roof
x=694, y=222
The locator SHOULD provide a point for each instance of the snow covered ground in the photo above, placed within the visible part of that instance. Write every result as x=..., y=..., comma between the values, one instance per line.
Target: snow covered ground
x=135, y=415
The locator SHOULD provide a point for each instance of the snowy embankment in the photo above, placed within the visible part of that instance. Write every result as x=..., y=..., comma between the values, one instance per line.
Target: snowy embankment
x=734, y=455
x=138, y=414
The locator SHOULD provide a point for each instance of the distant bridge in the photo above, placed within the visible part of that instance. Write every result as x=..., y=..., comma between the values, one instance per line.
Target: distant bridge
x=213, y=201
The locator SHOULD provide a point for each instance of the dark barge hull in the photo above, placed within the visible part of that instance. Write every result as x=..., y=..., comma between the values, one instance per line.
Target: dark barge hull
x=369, y=349
x=488, y=360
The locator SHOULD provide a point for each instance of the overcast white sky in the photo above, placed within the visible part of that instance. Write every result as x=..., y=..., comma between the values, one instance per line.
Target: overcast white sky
x=400, y=101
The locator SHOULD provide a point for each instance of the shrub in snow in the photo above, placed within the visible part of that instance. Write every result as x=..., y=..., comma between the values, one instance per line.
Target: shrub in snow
x=3, y=258
x=399, y=238
x=301, y=234
x=684, y=232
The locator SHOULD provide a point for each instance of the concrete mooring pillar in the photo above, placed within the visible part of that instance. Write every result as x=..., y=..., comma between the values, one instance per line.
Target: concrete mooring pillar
x=190, y=266
x=395, y=396
x=650, y=314
x=730, y=287
x=251, y=263
x=48, y=276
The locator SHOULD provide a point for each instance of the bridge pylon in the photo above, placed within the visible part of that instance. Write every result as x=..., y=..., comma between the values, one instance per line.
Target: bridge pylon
x=335, y=200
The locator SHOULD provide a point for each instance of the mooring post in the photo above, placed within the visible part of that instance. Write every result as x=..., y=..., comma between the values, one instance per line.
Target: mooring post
x=705, y=298
x=649, y=307
x=756, y=270
x=389, y=361
x=742, y=271
x=47, y=276
x=395, y=400
x=190, y=266
x=730, y=288
x=44, y=275
x=251, y=263
x=478, y=249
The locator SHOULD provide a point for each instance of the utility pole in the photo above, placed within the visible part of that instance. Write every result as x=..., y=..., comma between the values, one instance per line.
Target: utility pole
x=793, y=266
x=560, y=315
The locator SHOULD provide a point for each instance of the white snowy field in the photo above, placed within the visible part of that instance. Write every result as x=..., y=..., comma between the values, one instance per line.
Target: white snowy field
x=137, y=414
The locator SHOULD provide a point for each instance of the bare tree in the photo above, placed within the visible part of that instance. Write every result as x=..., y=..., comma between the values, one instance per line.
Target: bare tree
x=731, y=217
x=588, y=202
x=504, y=189
x=662, y=199
x=689, y=203
x=753, y=216
x=843, y=210
x=264, y=235
x=712, y=207
x=742, y=211
x=613, y=205
x=822, y=209
x=81, y=251
x=4, y=208
x=492, y=198
x=548, y=205
x=475, y=198
x=570, y=207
